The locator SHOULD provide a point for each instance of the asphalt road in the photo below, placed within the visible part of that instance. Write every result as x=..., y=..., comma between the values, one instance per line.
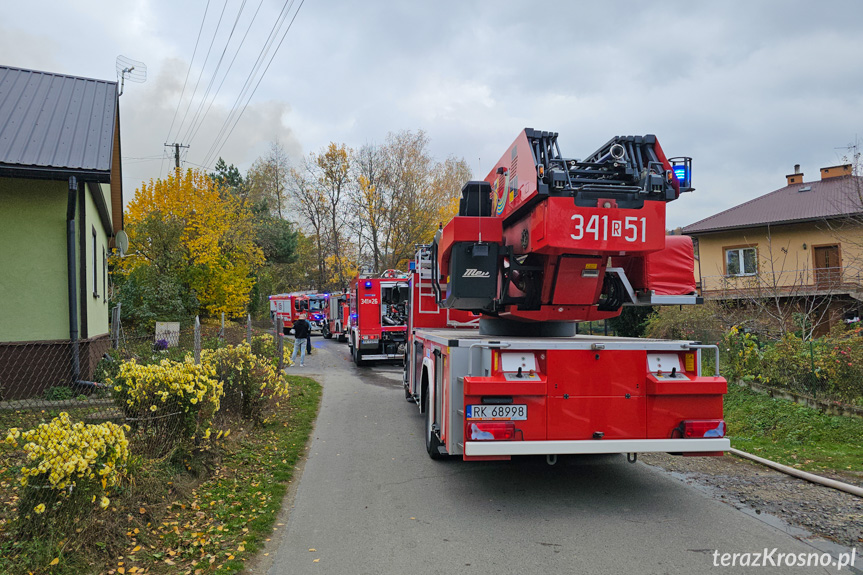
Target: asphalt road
x=370, y=500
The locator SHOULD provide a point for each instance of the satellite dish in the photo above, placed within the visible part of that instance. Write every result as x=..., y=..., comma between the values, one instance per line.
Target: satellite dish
x=122, y=242
x=132, y=69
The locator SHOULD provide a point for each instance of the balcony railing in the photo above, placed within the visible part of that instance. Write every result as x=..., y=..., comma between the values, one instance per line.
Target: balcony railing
x=784, y=283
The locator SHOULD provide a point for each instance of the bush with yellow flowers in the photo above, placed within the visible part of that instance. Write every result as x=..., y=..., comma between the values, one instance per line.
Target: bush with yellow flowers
x=250, y=382
x=264, y=346
x=68, y=461
x=161, y=394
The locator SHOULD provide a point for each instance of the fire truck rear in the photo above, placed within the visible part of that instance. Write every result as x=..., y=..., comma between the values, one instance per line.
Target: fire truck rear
x=543, y=243
x=337, y=315
x=378, y=317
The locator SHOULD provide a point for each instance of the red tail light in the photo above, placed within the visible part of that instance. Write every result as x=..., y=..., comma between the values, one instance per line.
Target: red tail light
x=491, y=430
x=703, y=428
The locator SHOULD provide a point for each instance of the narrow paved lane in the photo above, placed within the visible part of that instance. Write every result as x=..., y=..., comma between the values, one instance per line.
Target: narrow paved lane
x=371, y=501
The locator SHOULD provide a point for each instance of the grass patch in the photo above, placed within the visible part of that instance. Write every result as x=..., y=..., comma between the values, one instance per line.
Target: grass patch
x=793, y=434
x=192, y=511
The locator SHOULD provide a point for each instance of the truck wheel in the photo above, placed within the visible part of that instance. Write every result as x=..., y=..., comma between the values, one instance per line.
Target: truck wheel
x=408, y=395
x=325, y=331
x=358, y=358
x=432, y=441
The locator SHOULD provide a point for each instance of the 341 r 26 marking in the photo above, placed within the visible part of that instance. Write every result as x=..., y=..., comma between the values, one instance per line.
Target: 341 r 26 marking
x=631, y=228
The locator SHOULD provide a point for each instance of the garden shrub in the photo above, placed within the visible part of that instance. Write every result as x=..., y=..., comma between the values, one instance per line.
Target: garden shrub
x=788, y=363
x=250, y=382
x=58, y=393
x=839, y=361
x=107, y=367
x=831, y=366
x=164, y=393
x=742, y=360
x=689, y=322
x=69, y=465
x=264, y=346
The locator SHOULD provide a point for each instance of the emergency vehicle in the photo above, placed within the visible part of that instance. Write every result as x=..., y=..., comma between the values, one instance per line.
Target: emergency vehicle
x=316, y=306
x=337, y=317
x=287, y=307
x=543, y=243
x=378, y=317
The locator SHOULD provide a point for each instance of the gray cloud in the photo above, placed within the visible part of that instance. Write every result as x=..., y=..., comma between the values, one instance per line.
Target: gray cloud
x=747, y=89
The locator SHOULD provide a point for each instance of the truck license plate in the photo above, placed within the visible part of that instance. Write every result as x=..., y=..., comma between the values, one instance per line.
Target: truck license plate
x=497, y=412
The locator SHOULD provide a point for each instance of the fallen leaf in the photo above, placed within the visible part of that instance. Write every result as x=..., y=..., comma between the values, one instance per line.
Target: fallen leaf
x=142, y=510
x=55, y=561
x=136, y=549
x=315, y=561
x=312, y=550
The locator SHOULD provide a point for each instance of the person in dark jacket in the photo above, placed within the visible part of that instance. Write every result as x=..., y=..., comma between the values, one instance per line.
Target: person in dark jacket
x=302, y=330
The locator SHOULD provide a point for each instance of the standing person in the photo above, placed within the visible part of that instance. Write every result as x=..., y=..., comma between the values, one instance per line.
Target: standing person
x=302, y=330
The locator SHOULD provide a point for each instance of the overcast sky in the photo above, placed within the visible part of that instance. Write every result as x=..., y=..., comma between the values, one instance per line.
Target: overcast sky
x=747, y=88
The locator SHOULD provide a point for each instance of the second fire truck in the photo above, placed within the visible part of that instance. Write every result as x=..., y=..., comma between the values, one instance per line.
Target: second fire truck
x=378, y=317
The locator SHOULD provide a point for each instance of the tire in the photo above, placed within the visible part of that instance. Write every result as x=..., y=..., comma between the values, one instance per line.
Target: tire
x=358, y=357
x=325, y=331
x=406, y=384
x=432, y=441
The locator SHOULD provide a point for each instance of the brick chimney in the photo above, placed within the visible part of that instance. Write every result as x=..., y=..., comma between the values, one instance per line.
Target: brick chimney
x=835, y=171
x=796, y=177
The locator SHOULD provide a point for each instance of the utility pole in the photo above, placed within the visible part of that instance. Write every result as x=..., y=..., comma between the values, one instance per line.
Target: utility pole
x=176, y=152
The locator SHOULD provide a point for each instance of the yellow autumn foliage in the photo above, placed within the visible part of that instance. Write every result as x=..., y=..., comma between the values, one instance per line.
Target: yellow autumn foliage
x=216, y=238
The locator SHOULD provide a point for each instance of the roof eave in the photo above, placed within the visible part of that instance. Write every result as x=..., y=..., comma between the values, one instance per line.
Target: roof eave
x=52, y=173
x=767, y=224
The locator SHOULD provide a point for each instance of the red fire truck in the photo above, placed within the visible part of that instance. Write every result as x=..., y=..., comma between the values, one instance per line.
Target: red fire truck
x=337, y=317
x=288, y=307
x=543, y=243
x=317, y=306
x=378, y=317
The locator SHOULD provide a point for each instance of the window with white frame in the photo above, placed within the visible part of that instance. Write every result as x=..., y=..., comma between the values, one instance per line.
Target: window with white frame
x=741, y=261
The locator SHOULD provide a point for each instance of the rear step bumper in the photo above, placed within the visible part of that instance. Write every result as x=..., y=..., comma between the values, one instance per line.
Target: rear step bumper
x=383, y=356
x=480, y=448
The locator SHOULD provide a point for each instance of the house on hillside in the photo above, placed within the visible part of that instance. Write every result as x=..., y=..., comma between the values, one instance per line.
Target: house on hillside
x=61, y=205
x=800, y=246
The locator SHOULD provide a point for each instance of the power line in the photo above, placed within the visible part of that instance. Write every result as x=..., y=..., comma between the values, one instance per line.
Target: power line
x=195, y=51
x=206, y=59
x=286, y=8
x=240, y=115
x=215, y=73
x=231, y=65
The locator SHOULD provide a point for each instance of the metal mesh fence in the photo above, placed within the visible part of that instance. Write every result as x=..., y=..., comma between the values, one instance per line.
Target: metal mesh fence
x=74, y=415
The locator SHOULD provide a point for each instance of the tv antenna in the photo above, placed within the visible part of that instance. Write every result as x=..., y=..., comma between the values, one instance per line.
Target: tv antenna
x=132, y=69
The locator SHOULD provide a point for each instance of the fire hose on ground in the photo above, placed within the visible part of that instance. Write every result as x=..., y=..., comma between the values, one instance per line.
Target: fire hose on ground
x=811, y=477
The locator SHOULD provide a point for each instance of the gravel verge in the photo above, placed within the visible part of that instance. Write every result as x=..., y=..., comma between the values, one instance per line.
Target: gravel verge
x=820, y=511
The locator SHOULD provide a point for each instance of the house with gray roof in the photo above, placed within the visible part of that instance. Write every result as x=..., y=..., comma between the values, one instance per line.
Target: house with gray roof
x=61, y=206
x=800, y=245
